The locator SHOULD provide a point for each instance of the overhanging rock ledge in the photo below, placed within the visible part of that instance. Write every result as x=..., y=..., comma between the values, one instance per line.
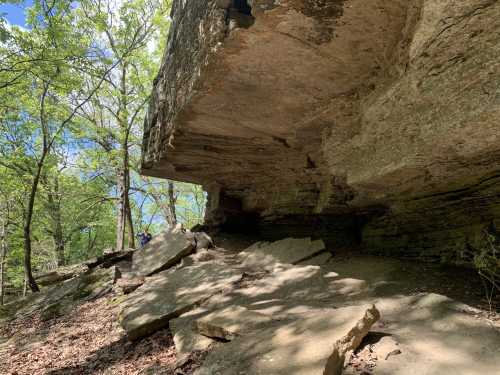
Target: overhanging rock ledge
x=374, y=122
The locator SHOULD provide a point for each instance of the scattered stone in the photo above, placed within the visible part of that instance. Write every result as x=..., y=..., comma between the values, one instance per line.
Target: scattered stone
x=385, y=346
x=59, y=299
x=186, y=339
x=350, y=341
x=289, y=250
x=109, y=259
x=127, y=286
x=167, y=295
x=203, y=255
x=96, y=283
x=230, y=322
x=394, y=352
x=56, y=309
x=60, y=274
x=162, y=252
x=203, y=240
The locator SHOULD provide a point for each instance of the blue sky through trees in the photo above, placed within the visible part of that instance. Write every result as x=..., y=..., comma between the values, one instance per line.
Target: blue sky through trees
x=15, y=14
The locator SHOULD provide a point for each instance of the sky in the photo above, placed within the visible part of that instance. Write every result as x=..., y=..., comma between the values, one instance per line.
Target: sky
x=14, y=13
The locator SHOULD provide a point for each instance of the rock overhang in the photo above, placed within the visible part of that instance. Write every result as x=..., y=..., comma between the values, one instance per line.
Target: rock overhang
x=332, y=108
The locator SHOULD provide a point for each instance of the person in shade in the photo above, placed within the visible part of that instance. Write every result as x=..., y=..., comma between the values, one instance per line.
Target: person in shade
x=144, y=237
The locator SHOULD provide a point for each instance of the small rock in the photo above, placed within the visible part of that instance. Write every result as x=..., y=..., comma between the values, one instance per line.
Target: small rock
x=394, y=352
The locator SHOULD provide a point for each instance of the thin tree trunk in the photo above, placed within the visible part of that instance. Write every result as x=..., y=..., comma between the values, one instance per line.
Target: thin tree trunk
x=165, y=208
x=123, y=173
x=171, y=201
x=121, y=214
x=30, y=280
x=130, y=226
x=25, y=286
x=59, y=242
x=3, y=253
x=54, y=207
x=128, y=210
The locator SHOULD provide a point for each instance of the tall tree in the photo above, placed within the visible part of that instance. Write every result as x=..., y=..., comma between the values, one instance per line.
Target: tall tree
x=5, y=222
x=51, y=56
x=127, y=31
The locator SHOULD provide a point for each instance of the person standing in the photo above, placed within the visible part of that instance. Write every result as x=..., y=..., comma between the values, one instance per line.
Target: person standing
x=144, y=238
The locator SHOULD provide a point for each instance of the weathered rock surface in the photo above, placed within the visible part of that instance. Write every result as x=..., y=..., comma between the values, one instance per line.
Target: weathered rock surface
x=202, y=240
x=369, y=121
x=162, y=252
x=265, y=255
x=301, y=346
x=128, y=285
x=109, y=258
x=60, y=298
x=228, y=323
x=60, y=274
x=350, y=342
x=168, y=294
x=186, y=338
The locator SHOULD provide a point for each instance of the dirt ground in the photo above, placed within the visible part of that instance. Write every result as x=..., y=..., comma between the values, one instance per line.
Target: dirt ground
x=432, y=333
x=89, y=340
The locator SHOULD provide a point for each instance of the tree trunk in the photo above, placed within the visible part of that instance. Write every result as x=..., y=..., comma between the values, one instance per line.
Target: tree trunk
x=124, y=217
x=130, y=227
x=121, y=212
x=54, y=207
x=3, y=253
x=128, y=210
x=28, y=218
x=59, y=243
x=171, y=204
x=25, y=286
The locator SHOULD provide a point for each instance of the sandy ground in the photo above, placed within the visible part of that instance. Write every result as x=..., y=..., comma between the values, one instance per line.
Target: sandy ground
x=435, y=320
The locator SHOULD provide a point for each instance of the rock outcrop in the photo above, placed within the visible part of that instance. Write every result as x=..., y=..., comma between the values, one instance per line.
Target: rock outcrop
x=265, y=255
x=301, y=346
x=163, y=251
x=168, y=295
x=372, y=122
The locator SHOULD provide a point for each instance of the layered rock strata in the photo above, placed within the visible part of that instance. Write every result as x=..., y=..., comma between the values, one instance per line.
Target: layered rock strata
x=372, y=122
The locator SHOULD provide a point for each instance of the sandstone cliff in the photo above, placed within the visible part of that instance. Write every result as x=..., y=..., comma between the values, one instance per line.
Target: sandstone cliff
x=370, y=122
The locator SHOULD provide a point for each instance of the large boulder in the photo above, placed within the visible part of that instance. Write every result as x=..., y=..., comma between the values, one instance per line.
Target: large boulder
x=168, y=294
x=163, y=251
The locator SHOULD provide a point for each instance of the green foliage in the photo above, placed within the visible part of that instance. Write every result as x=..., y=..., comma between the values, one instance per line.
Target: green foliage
x=487, y=262
x=74, y=87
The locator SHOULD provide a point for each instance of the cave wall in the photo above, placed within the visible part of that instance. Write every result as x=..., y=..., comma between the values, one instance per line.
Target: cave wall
x=367, y=123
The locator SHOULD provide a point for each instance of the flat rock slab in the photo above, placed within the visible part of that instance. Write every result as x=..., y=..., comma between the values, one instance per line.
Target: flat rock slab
x=57, y=299
x=230, y=322
x=289, y=250
x=186, y=339
x=162, y=252
x=317, y=260
x=169, y=294
x=300, y=346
